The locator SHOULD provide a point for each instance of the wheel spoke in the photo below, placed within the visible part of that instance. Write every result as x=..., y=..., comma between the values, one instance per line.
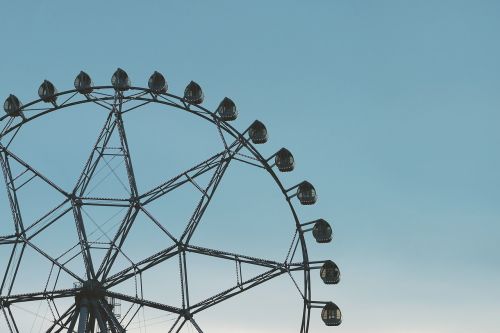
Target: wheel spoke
x=63, y=320
x=195, y=324
x=94, y=307
x=12, y=268
x=274, y=269
x=11, y=193
x=159, y=225
x=142, y=265
x=177, y=325
x=184, y=279
x=9, y=318
x=15, y=182
x=99, y=228
x=105, y=202
x=37, y=296
x=9, y=239
x=117, y=242
x=83, y=241
x=207, y=195
x=236, y=290
x=181, y=179
x=144, y=302
x=102, y=148
x=95, y=156
x=29, y=168
x=235, y=257
x=124, y=145
x=43, y=220
x=52, y=260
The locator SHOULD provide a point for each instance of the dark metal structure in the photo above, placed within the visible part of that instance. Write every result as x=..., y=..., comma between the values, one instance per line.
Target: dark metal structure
x=93, y=303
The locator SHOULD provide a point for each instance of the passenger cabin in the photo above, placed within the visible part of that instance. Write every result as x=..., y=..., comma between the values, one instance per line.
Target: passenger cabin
x=284, y=160
x=12, y=106
x=306, y=193
x=157, y=83
x=83, y=83
x=227, y=110
x=322, y=231
x=47, y=92
x=258, y=132
x=120, y=80
x=331, y=314
x=193, y=93
x=329, y=273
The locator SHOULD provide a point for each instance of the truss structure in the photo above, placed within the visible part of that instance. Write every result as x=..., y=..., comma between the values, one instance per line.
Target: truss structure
x=91, y=303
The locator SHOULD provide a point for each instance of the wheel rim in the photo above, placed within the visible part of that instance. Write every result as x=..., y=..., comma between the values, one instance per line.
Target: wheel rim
x=90, y=295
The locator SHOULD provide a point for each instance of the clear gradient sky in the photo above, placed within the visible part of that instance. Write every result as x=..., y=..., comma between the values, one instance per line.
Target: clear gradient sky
x=391, y=108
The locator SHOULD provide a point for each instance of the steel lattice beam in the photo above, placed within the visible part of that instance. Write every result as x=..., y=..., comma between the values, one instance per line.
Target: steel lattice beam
x=97, y=313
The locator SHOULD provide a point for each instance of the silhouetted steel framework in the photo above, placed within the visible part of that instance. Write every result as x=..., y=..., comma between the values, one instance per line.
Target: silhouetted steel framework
x=93, y=307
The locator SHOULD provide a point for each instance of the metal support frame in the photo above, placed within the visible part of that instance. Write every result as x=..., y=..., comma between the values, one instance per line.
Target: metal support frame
x=91, y=311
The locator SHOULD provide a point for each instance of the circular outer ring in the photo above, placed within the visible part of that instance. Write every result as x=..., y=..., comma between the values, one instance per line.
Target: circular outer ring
x=168, y=99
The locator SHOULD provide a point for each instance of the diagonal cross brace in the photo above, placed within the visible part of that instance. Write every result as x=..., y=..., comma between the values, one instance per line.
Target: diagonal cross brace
x=117, y=242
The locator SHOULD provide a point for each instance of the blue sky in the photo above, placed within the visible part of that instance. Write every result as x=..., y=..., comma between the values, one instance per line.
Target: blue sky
x=391, y=109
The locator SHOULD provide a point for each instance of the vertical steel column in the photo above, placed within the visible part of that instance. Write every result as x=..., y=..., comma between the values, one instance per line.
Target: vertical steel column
x=84, y=313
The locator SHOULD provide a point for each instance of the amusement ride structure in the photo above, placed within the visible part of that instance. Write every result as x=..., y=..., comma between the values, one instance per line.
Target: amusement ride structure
x=86, y=298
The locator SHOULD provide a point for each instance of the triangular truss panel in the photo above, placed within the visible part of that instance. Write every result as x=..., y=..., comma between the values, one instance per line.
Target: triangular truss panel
x=104, y=229
x=161, y=283
x=147, y=244
x=55, y=152
x=108, y=171
x=7, y=225
x=39, y=315
x=246, y=209
x=34, y=270
x=173, y=210
x=258, y=303
x=171, y=220
x=165, y=142
x=224, y=274
x=139, y=319
x=56, y=236
x=29, y=193
x=8, y=257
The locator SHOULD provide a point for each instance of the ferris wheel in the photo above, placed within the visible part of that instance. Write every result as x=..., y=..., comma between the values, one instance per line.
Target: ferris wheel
x=82, y=273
